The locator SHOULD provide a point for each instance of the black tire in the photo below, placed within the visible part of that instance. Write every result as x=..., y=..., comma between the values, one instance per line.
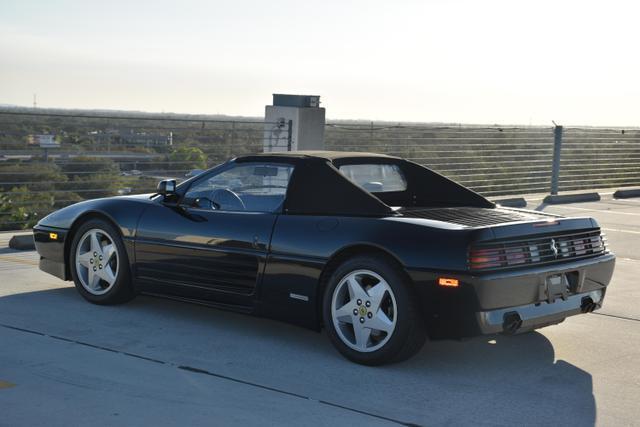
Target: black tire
x=409, y=334
x=122, y=289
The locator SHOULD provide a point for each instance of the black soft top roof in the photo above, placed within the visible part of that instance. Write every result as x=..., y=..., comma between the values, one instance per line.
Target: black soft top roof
x=317, y=187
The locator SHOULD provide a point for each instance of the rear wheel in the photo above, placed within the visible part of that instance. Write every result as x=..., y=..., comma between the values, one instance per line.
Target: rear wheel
x=370, y=314
x=99, y=264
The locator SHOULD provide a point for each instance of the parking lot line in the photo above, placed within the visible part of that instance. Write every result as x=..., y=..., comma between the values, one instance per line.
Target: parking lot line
x=598, y=210
x=621, y=231
x=633, y=319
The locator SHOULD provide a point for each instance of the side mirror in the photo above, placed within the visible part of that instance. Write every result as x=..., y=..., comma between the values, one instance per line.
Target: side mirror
x=167, y=187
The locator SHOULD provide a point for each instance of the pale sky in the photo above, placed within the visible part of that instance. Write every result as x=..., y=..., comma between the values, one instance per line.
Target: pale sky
x=512, y=62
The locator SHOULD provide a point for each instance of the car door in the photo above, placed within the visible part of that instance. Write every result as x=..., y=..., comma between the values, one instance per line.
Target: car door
x=213, y=245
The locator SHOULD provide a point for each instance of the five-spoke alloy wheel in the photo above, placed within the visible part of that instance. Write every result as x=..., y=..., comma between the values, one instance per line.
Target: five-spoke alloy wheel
x=363, y=310
x=97, y=261
x=370, y=311
x=99, y=264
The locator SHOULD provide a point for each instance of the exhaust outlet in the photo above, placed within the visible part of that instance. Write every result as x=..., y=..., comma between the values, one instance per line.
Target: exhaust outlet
x=587, y=305
x=511, y=322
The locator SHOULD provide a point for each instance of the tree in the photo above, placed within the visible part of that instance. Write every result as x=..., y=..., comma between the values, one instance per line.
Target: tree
x=21, y=208
x=28, y=192
x=37, y=176
x=185, y=158
x=92, y=177
x=83, y=165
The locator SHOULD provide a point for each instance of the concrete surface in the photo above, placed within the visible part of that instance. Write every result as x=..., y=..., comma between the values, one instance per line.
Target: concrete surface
x=159, y=362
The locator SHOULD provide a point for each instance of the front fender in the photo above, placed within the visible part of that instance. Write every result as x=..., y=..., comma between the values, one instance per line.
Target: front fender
x=54, y=233
x=124, y=212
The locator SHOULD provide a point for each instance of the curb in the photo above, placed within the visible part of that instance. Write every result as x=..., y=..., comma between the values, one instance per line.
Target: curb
x=625, y=194
x=571, y=198
x=516, y=202
x=22, y=242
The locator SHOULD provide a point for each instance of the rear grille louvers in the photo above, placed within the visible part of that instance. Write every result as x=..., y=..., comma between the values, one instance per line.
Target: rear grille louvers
x=536, y=250
x=473, y=217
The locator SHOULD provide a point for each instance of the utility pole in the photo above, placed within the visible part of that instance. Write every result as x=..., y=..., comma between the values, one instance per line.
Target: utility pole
x=35, y=104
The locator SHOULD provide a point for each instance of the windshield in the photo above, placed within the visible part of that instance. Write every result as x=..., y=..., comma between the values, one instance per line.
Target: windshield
x=255, y=187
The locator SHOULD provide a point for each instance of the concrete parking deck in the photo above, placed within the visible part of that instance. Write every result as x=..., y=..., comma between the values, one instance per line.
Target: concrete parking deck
x=152, y=361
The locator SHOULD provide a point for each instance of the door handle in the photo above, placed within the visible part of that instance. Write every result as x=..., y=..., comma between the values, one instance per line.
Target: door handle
x=256, y=242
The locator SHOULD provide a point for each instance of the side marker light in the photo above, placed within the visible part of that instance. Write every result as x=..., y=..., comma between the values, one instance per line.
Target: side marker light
x=448, y=282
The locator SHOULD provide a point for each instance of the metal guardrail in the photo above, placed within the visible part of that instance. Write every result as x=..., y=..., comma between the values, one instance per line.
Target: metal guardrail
x=105, y=155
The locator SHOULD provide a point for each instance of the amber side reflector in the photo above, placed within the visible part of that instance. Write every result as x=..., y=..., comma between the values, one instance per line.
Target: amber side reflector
x=53, y=236
x=446, y=281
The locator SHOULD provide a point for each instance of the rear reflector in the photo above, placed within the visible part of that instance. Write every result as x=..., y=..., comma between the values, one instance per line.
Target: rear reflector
x=446, y=281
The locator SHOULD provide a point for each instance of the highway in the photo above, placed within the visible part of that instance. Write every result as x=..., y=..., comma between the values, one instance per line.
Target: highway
x=65, y=362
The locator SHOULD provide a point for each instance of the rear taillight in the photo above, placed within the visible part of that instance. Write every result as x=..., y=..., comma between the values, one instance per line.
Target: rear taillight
x=485, y=258
x=536, y=250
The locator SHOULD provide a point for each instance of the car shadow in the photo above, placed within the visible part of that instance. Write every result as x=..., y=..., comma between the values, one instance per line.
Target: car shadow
x=487, y=380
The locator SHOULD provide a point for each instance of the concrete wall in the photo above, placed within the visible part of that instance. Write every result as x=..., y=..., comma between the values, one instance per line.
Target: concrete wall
x=307, y=131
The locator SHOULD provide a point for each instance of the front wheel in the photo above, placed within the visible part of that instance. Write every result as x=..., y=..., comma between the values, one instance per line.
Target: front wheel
x=99, y=264
x=370, y=313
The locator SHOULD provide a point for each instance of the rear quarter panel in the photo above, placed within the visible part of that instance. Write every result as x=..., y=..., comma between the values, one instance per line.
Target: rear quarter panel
x=302, y=245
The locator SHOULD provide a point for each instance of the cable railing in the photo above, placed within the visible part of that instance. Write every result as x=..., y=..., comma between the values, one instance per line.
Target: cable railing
x=599, y=158
x=86, y=156
x=487, y=159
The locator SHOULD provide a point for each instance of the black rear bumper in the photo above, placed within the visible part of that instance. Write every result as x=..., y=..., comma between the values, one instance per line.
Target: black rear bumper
x=479, y=304
x=524, y=318
x=527, y=286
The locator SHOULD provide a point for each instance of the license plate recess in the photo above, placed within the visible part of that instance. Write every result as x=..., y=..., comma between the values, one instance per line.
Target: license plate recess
x=557, y=286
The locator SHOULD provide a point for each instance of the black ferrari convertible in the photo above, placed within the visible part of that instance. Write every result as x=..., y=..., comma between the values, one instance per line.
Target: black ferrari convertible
x=380, y=251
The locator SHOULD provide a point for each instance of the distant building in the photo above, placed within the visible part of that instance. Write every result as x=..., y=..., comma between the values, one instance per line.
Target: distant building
x=131, y=137
x=44, y=141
